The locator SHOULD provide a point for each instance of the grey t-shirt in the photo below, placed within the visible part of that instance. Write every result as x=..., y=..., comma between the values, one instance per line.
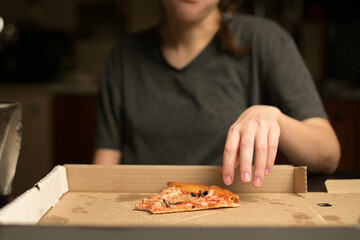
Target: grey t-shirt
x=156, y=114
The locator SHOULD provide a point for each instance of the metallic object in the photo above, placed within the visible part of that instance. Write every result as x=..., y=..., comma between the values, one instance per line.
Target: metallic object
x=1, y=24
x=10, y=142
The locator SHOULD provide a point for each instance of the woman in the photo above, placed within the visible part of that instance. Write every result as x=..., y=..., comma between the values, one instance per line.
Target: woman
x=185, y=93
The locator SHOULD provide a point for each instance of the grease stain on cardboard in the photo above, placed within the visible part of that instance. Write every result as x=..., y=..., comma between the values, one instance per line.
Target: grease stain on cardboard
x=301, y=216
x=90, y=203
x=281, y=203
x=332, y=218
x=87, y=196
x=79, y=210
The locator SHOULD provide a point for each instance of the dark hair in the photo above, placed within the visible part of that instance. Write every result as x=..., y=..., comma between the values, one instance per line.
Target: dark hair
x=227, y=37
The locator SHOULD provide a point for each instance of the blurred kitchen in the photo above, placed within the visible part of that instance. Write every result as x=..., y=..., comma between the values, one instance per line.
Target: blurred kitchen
x=51, y=54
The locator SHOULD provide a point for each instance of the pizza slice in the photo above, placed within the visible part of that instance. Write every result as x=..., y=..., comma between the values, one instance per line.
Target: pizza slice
x=181, y=197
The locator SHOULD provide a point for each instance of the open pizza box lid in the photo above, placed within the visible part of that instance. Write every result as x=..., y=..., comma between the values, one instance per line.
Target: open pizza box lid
x=104, y=196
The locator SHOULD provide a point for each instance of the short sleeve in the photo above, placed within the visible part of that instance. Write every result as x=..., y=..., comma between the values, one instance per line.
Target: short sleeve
x=109, y=106
x=288, y=80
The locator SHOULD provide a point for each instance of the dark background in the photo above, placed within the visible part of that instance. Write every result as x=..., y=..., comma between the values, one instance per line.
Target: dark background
x=51, y=53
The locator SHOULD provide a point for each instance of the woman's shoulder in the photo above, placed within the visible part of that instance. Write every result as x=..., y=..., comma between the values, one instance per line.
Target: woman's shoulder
x=249, y=27
x=129, y=46
x=254, y=23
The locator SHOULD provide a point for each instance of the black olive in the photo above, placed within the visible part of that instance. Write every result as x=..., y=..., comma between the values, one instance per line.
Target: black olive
x=193, y=206
x=166, y=204
x=175, y=203
x=193, y=194
x=203, y=193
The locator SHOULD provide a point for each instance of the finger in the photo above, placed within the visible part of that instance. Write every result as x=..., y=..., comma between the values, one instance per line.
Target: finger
x=246, y=152
x=273, y=143
x=260, y=156
x=237, y=162
x=229, y=157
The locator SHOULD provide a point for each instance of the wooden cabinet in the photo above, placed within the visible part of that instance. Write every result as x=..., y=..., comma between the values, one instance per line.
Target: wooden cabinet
x=344, y=116
x=74, y=129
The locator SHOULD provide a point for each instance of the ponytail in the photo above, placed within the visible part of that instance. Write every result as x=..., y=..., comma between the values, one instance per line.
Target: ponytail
x=227, y=37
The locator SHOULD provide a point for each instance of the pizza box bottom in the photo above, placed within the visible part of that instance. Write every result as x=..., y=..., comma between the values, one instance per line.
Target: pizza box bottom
x=104, y=196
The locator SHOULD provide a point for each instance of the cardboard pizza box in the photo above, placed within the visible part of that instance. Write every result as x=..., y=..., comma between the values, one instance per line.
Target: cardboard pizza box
x=104, y=196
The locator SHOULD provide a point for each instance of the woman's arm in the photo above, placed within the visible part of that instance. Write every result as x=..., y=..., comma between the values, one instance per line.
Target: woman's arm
x=262, y=129
x=105, y=156
x=312, y=143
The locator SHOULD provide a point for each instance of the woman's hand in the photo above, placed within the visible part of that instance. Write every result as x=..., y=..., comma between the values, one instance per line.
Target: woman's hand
x=257, y=129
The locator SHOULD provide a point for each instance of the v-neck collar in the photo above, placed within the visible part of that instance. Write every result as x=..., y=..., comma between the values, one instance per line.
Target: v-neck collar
x=210, y=47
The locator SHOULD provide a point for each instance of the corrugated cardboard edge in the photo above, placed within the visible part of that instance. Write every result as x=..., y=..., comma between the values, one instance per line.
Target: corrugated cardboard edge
x=343, y=186
x=153, y=178
x=34, y=203
x=300, y=179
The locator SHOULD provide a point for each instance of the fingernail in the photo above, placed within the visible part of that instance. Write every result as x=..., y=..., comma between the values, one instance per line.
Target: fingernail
x=267, y=171
x=257, y=182
x=246, y=176
x=228, y=180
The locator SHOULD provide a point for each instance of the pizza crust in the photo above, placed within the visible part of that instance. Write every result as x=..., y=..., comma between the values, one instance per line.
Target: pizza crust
x=188, y=187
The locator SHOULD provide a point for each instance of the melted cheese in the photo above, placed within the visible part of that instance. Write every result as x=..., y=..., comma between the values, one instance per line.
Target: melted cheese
x=171, y=194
